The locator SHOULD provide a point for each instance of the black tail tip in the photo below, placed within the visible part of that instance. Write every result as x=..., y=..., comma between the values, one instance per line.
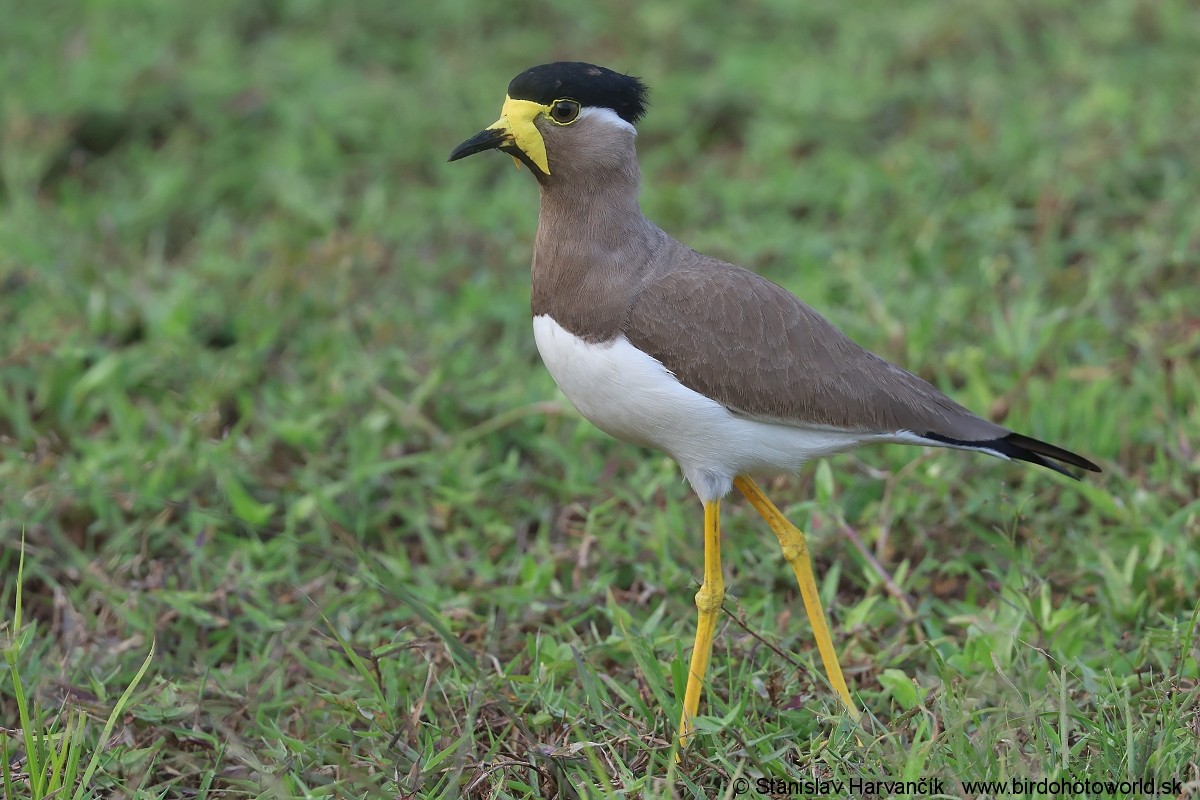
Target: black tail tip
x=1024, y=448
x=1044, y=454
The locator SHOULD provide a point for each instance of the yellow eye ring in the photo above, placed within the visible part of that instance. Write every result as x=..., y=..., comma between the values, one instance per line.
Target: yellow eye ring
x=563, y=112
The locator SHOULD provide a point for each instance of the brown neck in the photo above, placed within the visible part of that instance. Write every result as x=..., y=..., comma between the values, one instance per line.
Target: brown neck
x=594, y=247
x=593, y=195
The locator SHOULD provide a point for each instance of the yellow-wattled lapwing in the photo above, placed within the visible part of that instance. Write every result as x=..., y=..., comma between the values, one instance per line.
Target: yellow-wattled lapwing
x=661, y=346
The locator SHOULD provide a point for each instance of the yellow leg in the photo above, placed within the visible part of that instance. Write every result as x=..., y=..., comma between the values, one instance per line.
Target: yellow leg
x=795, y=552
x=708, y=604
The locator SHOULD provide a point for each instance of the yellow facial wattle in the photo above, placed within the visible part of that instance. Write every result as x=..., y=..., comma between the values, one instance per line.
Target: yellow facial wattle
x=516, y=119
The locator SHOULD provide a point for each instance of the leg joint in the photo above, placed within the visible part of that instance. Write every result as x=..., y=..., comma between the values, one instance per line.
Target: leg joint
x=709, y=598
x=794, y=551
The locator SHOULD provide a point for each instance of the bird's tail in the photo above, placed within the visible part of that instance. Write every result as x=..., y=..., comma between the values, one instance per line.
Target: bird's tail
x=1023, y=448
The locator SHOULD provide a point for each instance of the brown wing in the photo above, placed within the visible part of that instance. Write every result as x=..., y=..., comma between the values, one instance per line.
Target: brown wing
x=755, y=348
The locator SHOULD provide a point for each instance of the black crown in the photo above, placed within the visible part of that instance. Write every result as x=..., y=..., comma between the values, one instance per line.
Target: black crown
x=587, y=84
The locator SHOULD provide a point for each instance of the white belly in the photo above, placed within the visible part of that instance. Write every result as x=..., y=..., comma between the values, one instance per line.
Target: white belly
x=632, y=396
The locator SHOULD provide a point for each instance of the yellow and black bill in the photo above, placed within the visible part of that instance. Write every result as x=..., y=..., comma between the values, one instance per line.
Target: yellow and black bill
x=514, y=133
x=487, y=139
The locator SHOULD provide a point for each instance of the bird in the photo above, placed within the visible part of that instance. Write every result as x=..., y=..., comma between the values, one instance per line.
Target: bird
x=725, y=371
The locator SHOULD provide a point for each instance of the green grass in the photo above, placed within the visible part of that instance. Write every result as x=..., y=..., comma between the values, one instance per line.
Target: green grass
x=270, y=403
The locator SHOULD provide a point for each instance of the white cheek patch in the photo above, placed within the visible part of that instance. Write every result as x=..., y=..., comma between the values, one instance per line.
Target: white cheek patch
x=605, y=116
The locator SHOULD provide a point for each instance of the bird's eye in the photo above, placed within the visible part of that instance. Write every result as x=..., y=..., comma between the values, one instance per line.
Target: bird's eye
x=564, y=112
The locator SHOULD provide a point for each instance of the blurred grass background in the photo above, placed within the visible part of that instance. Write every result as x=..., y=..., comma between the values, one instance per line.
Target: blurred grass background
x=269, y=397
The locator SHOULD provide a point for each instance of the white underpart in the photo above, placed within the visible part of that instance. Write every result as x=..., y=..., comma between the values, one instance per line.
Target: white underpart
x=632, y=396
x=607, y=115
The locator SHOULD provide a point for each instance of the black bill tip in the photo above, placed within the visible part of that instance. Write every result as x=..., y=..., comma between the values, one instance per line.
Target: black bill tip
x=489, y=139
